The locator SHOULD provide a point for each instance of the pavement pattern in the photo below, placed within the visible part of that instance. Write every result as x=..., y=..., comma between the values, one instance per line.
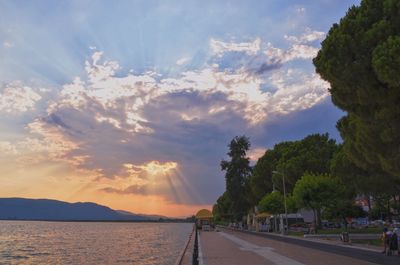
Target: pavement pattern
x=236, y=248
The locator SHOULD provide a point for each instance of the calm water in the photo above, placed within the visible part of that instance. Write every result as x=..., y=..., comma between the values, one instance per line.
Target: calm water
x=91, y=243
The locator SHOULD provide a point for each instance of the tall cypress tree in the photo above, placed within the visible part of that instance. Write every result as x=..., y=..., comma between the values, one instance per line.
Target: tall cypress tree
x=238, y=171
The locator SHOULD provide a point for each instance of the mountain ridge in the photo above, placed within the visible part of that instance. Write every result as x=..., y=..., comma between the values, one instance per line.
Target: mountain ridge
x=16, y=208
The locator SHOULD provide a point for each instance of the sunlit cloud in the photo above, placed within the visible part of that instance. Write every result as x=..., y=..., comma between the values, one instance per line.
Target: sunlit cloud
x=150, y=169
x=146, y=133
x=7, y=148
x=156, y=168
x=15, y=98
x=255, y=154
x=307, y=37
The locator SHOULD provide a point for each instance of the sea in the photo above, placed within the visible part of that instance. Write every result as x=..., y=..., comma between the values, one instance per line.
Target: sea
x=37, y=242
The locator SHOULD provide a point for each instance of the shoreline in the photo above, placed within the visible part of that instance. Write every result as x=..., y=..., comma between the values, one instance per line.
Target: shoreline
x=99, y=221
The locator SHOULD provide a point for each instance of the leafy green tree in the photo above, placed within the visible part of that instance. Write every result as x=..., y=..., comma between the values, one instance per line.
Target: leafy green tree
x=291, y=204
x=316, y=192
x=375, y=184
x=272, y=203
x=293, y=159
x=345, y=208
x=311, y=154
x=360, y=58
x=221, y=210
x=238, y=171
x=261, y=179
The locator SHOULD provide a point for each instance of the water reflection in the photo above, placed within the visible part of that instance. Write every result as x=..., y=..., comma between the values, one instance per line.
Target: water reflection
x=91, y=243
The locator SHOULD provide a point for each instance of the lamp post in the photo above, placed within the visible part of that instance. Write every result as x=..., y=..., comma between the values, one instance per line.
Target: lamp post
x=284, y=200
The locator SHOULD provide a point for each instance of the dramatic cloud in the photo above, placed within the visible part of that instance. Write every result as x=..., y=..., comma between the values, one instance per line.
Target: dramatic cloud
x=149, y=134
x=16, y=98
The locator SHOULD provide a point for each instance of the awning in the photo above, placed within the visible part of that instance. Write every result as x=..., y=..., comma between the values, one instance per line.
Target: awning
x=263, y=215
x=204, y=214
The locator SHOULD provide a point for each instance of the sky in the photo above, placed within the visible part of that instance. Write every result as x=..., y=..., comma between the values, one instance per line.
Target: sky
x=131, y=104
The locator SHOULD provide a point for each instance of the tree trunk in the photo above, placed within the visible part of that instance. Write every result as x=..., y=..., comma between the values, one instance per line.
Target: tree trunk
x=369, y=204
x=314, y=225
x=389, y=215
x=345, y=223
x=319, y=223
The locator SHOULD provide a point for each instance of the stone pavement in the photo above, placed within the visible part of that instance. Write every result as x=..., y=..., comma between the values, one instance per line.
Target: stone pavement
x=236, y=248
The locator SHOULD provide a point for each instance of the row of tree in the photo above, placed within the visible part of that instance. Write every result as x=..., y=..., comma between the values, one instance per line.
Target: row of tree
x=318, y=176
x=360, y=60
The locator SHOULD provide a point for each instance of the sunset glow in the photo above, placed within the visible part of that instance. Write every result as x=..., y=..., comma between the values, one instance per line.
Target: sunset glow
x=132, y=105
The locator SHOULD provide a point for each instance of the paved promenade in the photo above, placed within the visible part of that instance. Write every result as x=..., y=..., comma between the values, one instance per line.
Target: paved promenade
x=238, y=248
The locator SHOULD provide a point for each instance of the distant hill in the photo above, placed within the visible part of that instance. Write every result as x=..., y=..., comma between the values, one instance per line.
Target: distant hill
x=43, y=209
x=149, y=216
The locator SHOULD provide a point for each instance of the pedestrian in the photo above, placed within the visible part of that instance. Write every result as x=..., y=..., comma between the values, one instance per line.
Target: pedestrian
x=384, y=238
x=392, y=243
x=395, y=241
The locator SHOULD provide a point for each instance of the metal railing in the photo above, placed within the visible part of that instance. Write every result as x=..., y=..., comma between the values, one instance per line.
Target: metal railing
x=195, y=258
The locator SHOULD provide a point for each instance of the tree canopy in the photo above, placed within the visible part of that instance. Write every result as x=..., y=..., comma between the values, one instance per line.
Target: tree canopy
x=272, y=203
x=293, y=159
x=221, y=210
x=237, y=172
x=261, y=179
x=360, y=58
x=316, y=192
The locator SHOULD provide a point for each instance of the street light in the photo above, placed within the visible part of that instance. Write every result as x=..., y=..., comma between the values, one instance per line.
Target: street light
x=284, y=199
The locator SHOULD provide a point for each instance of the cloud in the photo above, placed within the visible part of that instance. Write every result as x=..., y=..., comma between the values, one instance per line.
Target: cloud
x=255, y=154
x=219, y=47
x=7, y=148
x=301, y=9
x=297, y=51
x=8, y=44
x=259, y=58
x=307, y=37
x=182, y=61
x=133, y=189
x=148, y=134
x=153, y=178
x=16, y=98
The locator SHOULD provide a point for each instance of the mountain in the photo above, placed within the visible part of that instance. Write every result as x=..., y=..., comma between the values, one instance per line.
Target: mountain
x=44, y=209
x=149, y=216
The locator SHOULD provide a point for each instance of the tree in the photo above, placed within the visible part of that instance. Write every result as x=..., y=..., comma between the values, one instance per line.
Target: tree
x=311, y=154
x=293, y=159
x=344, y=209
x=316, y=192
x=376, y=184
x=360, y=58
x=221, y=210
x=261, y=179
x=238, y=171
x=272, y=203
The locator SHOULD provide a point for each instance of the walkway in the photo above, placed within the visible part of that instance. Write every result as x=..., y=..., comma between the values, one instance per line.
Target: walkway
x=236, y=248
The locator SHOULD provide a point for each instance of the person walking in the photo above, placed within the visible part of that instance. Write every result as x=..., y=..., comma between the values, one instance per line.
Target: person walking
x=394, y=242
x=386, y=240
x=392, y=245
